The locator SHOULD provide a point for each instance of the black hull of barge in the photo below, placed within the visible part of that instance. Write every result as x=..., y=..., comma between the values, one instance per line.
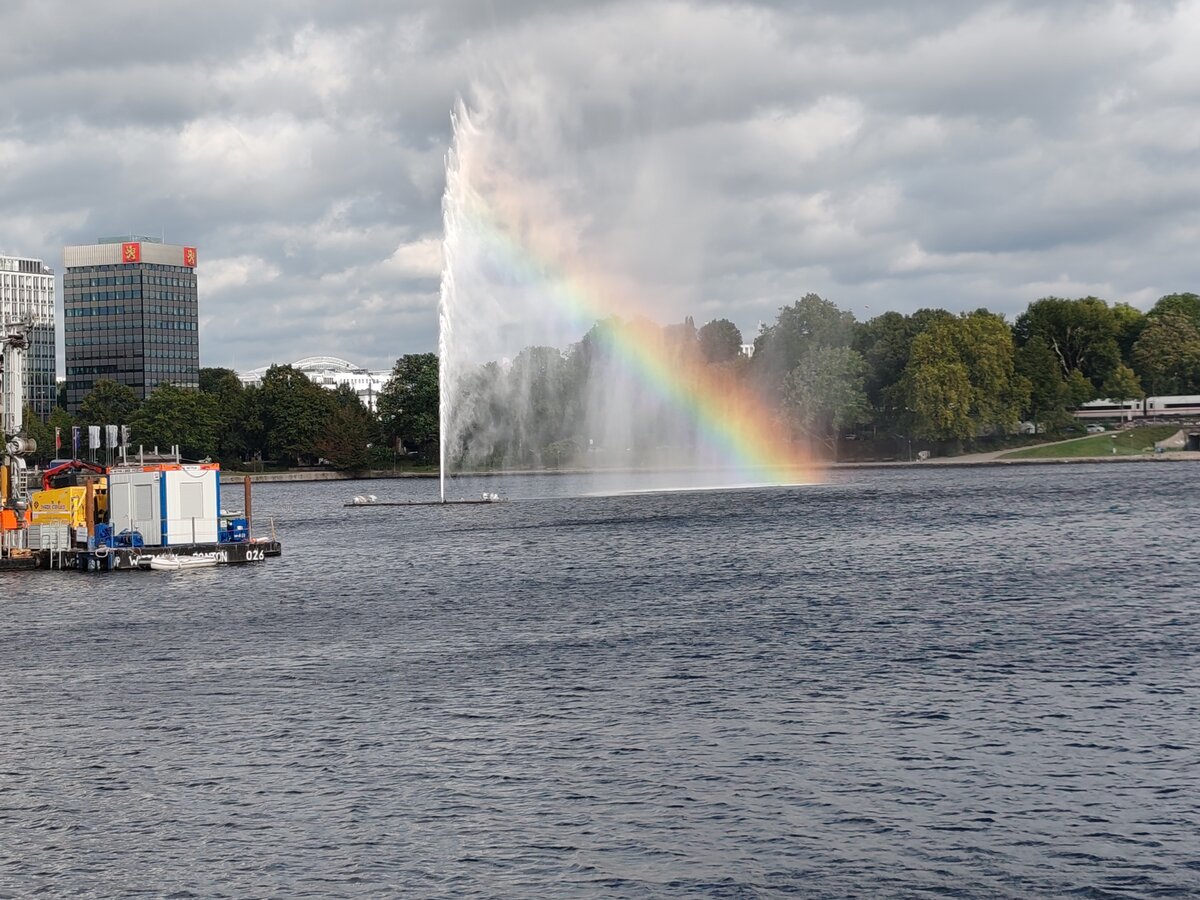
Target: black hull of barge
x=130, y=558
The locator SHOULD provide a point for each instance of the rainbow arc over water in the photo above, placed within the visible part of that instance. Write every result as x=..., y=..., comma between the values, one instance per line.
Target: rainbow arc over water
x=730, y=418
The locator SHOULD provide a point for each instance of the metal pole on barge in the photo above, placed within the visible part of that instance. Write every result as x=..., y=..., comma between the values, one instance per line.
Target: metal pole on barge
x=249, y=526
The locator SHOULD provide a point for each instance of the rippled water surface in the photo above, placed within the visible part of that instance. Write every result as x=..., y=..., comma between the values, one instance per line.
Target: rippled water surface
x=930, y=682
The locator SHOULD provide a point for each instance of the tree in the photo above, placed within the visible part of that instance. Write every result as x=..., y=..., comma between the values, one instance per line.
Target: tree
x=294, y=412
x=219, y=382
x=1130, y=325
x=985, y=344
x=537, y=401
x=1167, y=355
x=1186, y=305
x=1079, y=390
x=173, y=415
x=1081, y=333
x=1037, y=364
x=824, y=393
x=41, y=433
x=961, y=378
x=940, y=395
x=720, y=341
x=348, y=431
x=239, y=428
x=885, y=343
x=807, y=324
x=108, y=403
x=408, y=403
x=681, y=340
x=1123, y=384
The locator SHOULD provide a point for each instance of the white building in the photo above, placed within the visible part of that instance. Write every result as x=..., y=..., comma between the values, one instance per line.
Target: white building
x=330, y=372
x=27, y=295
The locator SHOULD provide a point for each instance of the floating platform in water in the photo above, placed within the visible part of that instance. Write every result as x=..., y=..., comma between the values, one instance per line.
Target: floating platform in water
x=372, y=500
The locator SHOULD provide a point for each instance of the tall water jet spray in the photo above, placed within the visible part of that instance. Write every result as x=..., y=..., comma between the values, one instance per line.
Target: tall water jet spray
x=445, y=292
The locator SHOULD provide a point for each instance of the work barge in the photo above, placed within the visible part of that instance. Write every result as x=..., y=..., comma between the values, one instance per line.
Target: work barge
x=145, y=512
x=160, y=513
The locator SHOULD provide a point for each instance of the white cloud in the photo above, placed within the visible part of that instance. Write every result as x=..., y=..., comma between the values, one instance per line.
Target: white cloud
x=713, y=158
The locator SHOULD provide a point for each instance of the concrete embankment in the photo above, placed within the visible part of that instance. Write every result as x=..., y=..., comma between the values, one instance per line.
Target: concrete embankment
x=987, y=459
x=228, y=477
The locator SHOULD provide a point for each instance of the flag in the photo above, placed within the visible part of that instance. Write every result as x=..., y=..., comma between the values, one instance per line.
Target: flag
x=57, y=438
x=75, y=441
x=124, y=435
x=93, y=437
x=110, y=436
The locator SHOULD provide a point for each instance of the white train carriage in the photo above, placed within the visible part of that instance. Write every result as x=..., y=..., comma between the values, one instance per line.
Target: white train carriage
x=1150, y=408
x=1183, y=405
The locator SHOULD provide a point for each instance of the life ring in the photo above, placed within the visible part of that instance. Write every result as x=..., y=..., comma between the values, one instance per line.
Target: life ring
x=101, y=551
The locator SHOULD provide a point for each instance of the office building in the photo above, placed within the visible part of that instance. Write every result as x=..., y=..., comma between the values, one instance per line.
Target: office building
x=27, y=295
x=130, y=315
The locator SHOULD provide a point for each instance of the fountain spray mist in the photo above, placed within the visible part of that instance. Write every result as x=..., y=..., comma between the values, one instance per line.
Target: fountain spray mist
x=550, y=353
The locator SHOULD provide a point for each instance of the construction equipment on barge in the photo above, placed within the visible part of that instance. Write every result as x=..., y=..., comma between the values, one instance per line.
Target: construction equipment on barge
x=91, y=518
x=134, y=513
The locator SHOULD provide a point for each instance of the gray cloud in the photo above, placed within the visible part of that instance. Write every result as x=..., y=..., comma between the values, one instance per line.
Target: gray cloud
x=725, y=157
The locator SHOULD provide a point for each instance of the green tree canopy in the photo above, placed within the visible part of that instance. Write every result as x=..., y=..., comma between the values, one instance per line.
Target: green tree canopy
x=885, y=343
x=801, y=328
x=240, y=430
x=348, y=431
x=1081, y=333
x=1131, y=322
x=41, y=433
x=824, y=393
x=1079, y=390
x=1167, y=355
x=962, y=380
x=539, y=387
x=108, y=403
x=1186, y=305
x=294, y=411
x=720, y=341
x=1037, y=364
x=408, y=403
x=173, y=415
x=1123, y=384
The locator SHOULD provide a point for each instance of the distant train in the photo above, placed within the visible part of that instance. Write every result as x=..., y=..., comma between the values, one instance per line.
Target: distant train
x=1150, y=408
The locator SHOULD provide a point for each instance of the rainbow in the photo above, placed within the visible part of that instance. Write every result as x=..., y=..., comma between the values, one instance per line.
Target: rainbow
x=732, y=419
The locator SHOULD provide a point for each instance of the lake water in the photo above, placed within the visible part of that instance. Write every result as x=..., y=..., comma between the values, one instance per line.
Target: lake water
x=902, y=683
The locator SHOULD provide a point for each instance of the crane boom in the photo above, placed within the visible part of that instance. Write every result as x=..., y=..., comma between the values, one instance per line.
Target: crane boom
x=14, y=495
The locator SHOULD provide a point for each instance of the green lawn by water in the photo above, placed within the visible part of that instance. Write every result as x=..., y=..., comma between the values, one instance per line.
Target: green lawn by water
x=1127, y=443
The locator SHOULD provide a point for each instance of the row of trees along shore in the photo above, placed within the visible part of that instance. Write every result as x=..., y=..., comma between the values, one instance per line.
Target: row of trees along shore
x=942, y=380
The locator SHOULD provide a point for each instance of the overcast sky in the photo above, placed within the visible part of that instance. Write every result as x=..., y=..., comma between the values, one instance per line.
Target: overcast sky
x=730, y=157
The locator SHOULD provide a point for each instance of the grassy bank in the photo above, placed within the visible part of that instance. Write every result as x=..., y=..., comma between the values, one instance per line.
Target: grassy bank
x=1131, y=442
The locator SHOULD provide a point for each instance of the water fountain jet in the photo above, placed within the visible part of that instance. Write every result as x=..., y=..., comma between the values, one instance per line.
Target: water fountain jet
x=519, y=284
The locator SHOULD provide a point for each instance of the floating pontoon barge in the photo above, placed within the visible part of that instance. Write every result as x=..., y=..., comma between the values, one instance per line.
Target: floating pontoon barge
x=94, y=519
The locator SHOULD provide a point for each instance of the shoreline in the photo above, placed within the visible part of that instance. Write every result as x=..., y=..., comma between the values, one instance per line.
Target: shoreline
x=942, y=462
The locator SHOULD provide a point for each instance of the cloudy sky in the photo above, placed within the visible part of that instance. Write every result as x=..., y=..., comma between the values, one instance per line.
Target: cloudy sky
x=727, y=157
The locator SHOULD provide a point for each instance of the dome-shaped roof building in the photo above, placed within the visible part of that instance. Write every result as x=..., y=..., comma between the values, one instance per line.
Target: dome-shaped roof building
x=330, y=372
